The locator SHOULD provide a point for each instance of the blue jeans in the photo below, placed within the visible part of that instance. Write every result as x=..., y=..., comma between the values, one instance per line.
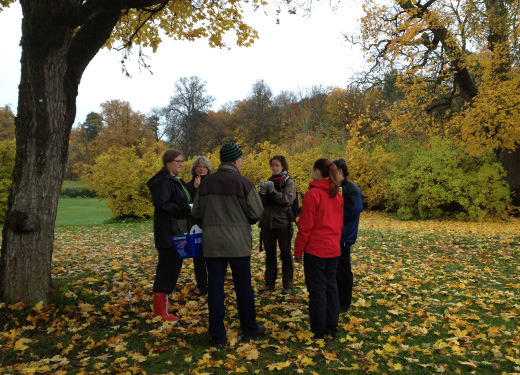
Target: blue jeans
x=241, y=273
x=320, y=278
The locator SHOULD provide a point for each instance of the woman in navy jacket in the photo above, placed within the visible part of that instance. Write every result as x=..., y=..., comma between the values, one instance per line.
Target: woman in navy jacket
x=352, y=207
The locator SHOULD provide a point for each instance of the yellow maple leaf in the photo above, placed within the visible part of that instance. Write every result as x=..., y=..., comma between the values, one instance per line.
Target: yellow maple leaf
x=362, y=303
x=20, y=344
x=329, y=355
x=306, y=361
x=252, y=354
x=458, y=333
x=16, y=306
x=38, y=307
x=373, y=368
x=232, y=337
x=390, y=349
x=439, y=344
x=471, y=364
x=514, y=360
x=279, y=365
x=304, y=335
x=398, y=367
x=356, y=345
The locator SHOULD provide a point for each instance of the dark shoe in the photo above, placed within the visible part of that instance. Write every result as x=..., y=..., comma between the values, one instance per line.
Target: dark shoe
x=201, y=291
x=250, y=336
x=220, y=345
x=345, y=309
x=287, y=291
x=267, y=288
x=331, y=333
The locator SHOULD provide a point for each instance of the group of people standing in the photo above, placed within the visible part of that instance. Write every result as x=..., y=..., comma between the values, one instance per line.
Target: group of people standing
x=225, y=204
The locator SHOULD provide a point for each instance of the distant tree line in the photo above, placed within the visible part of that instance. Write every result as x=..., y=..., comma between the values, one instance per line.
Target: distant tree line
x=296, y=120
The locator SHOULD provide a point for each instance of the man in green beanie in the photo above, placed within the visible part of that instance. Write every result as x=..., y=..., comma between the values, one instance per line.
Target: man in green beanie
x=228, y=204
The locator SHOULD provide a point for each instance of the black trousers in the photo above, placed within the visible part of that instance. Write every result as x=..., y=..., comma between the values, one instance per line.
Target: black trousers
x=320, y=278
x=344, y=277
x=167, y=271
x=270, y=238
x=201, y=273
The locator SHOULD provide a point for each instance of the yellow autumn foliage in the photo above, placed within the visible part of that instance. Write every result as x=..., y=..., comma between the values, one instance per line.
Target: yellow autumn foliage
x=7, y=155
x=120, y=176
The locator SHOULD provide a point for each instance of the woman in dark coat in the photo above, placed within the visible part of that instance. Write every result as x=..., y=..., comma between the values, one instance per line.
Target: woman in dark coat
x=172, y=209
x=277, y=194
x=200, y=168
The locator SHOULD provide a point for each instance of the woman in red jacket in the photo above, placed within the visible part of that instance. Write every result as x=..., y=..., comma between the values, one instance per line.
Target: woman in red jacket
x=319, y=234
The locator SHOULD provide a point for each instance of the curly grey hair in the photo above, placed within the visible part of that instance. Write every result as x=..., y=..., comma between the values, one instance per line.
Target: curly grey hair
x=201, y=160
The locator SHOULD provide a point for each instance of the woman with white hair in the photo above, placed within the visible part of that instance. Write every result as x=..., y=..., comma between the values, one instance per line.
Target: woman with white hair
x=200, y=168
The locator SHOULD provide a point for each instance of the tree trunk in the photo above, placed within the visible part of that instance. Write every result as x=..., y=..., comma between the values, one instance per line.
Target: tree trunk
x=43, y=126
x=510, y=160
x=53, y=60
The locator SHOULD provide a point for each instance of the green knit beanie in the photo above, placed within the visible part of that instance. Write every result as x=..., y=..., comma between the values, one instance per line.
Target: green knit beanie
x=230, y=152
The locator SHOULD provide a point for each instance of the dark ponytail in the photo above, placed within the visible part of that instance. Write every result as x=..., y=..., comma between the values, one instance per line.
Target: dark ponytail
x=330, y=171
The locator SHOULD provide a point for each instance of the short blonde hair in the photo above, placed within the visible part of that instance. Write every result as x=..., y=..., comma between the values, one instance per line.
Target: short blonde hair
x=201, y=160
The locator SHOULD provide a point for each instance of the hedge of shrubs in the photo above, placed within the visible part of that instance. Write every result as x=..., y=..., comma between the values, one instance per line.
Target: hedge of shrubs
x=414, y=180
x=77, y=192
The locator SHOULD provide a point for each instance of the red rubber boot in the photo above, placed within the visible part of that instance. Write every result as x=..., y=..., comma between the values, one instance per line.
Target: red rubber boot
x=160, y=307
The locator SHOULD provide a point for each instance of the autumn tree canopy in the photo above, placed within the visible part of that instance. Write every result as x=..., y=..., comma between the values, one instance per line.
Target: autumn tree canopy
x=458, y=69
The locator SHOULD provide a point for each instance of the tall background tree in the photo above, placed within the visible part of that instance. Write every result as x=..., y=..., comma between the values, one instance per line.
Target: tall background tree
x=254, y=115
x=186, y=112
x=59, y=39
x=122, y=126
x=83, y=145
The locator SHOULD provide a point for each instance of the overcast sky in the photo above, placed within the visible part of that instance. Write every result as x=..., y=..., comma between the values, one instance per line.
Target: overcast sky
x=293, y=55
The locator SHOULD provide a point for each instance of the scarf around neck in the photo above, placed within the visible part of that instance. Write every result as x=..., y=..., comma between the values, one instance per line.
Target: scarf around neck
x=179, y=180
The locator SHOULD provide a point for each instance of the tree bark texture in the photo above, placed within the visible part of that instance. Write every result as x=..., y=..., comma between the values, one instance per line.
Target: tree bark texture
x=53, y=59
x=510, y=160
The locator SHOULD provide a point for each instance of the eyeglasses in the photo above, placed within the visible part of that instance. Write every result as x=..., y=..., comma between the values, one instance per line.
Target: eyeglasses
x=179, y=161
x=202, y=166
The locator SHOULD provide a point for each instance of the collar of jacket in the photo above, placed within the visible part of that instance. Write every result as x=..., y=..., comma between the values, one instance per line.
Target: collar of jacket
x=228, y=167
x=324, y=184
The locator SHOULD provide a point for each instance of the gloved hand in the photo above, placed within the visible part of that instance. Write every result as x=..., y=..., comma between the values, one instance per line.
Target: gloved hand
x=263, y=187
x=270, y=186
x=298, y=260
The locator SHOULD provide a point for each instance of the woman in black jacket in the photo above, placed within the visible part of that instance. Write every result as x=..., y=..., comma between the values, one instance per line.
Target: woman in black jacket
x=172, y=209
x=277, y=194
x=200, y=168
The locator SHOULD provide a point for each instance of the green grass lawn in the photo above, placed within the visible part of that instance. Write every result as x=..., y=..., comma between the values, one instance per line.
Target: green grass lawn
x=429, y=298
x=82, y=211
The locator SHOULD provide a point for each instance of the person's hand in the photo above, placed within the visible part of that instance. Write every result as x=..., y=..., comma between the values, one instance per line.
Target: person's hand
x=196, y=183
x=263, y=187
x=270, y=186
x=298, y=260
